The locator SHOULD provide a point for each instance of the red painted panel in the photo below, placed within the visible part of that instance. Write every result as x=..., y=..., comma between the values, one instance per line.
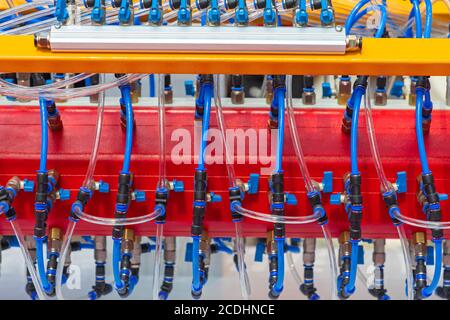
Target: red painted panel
x=325, y=147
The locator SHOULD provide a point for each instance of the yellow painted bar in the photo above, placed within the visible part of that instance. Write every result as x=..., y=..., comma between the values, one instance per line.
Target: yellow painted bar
x=378, y=56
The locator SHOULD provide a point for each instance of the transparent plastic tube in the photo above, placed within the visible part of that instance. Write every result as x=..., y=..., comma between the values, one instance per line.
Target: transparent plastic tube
x=26, y=18
x=24, y=7
x=244, y=280
x=69, y=93
x=64, y=250
x=331, y=261
x=295, y=138
x=28, y=261
x=293, y=269
x=222, y=128
x=277, y=219
x=117, y=221
x=162, y=132
x=407, y=261
x=385, y=185
x=157, y=260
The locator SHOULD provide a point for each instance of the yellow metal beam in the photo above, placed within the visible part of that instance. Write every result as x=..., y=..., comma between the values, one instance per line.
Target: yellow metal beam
x=378, y=56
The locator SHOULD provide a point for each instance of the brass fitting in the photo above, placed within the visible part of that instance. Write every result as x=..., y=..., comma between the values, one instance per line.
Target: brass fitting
x=419, y=241
x=128, y=241
x=54, y=240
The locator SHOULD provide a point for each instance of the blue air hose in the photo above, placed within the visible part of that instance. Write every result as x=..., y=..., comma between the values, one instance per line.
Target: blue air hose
x=152, y=85
x=418, y=18
x=381, y=25
x=126, y=96
x=428, y=290
x=354, y=131
x=44, y=135
x=428, y=19
x=117, y=256
x=196, y=283
x=419, y=131
x=46, y=286
x=205, y=125
x=280, y=101
x=278, y=287
x=352, y=15
x=350, y=287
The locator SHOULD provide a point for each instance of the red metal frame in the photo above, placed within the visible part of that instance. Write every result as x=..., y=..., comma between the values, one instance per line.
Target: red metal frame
x=325, y=147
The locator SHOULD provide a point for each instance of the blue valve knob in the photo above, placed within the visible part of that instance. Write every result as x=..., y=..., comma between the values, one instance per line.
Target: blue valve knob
x=327, y=182
x=28, y=186
x=401, y=182
x=335, y=199
x=188, y=254
x=443, y=196
x=189, y=88
x=64, y=194
x=241, y=16
x=214, y=197
x=326, y=16
x=139, y=196
x=326, y=90
x=155, y=16
x=214, y=16
x=253, y=183
x=291, y=199
x=397, y=89
x=259, y=252
x=103, y=187
x=269, y=16
x=178, y=186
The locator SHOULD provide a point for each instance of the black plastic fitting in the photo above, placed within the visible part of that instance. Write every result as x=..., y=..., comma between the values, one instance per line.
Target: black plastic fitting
x=200, y=185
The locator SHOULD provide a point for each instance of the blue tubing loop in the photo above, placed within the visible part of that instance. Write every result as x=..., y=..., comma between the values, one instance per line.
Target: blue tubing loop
x=279, y=95
x=44, y=134
x=207, y=90
x=359, y=92
x=126, y=98
x=46, y=286
x=428, y=290
x=117, y=255
x=196, y=283
x=349, y=289
x=420, y=92
x=278, y=287
x=352, y=15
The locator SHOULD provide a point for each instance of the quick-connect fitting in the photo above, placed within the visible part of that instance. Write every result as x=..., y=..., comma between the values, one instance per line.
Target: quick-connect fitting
x=236, y=196
x=41, y=204
x=307, y=287
x=277, y=202
x=270, y=14
x=390, y=199
x=379, y=258
x=419, y=243
x=431, y=205
x=54, y=249
x=123, y=199
x=169, y=267
x=380, y=91
x=345, y=253
x=241, y=13
x=127, y=280
x=184, y=13
x=309, y=94
x=83, y=196
x=315, y=201
x=162, y=195
x=237, y=89
x=444, y=290
x=101, y=288
x=200, y=186
x=355, y=209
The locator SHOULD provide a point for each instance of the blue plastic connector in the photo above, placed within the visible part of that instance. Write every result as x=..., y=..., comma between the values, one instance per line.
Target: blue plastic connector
x=98, y=13
x=241, y=16
x=401, y=182
x=259, y=252
x=92, y=295
x=253, y=183
x=64, y=194
x=397, y=89
x=61, y=13
x=326, y=16
x=178, y=186
x=214, y=197
x=301, y=17
x=9, y=98
x=270, y=16
x=291, y=199
x=335, y=199
x=103, y=187
x=443, y=196
x=28, y=186
x=155, y=16
x=139, y=196
x=188, y=254
x=184, y=16
x=124, y=12
x=293, y=249
x=327, y=92
x=327, y=182
x=189, y=88
x=214, y=16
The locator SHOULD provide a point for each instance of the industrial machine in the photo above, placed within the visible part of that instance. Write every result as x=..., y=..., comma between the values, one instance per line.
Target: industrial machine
x=151, y=148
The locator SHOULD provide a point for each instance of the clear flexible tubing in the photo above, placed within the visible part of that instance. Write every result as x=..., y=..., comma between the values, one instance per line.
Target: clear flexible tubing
x=28, y=261
x=66, y=93
x=157, y=260
x=294, y=271
x=26, y=18
x=87, y=183
x=331, y=260
x=244, y=280
x=161, y=184
x=23, y=7
x=407, y=261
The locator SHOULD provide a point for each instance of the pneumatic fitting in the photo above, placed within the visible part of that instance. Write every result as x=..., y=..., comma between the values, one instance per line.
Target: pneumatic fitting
x=169, y=267
x=379, y=258
x=127, y=278
x=419, y=244
x=345, y=89
x=101, y=288
x=345, y=253
x=278, y=87
x=307, y=287
x=202, y=81
x=54, y=249
x=309, y=94
x=184, y=11
x=155, y=15
x=326, y=11
x=272, y=252
x=359, y=85
x=126, y=12
x=423, y=84
x=380, y=91
x=237, y=89
x=123, y=200
x=168, y=92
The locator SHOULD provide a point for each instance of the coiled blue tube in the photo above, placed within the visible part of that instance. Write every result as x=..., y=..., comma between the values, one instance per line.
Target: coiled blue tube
x=350, y=287
x=419, y=131
x=126, y=96
x=428, y=19
x=44, y=134
x=418, y=18
x=117, y=255
x=280, y=101
x=278, y=287
x=196, y=283
x=352, y=15
x=46, y=286
x=354, y=131
x=205, y=125
x=428, y=290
